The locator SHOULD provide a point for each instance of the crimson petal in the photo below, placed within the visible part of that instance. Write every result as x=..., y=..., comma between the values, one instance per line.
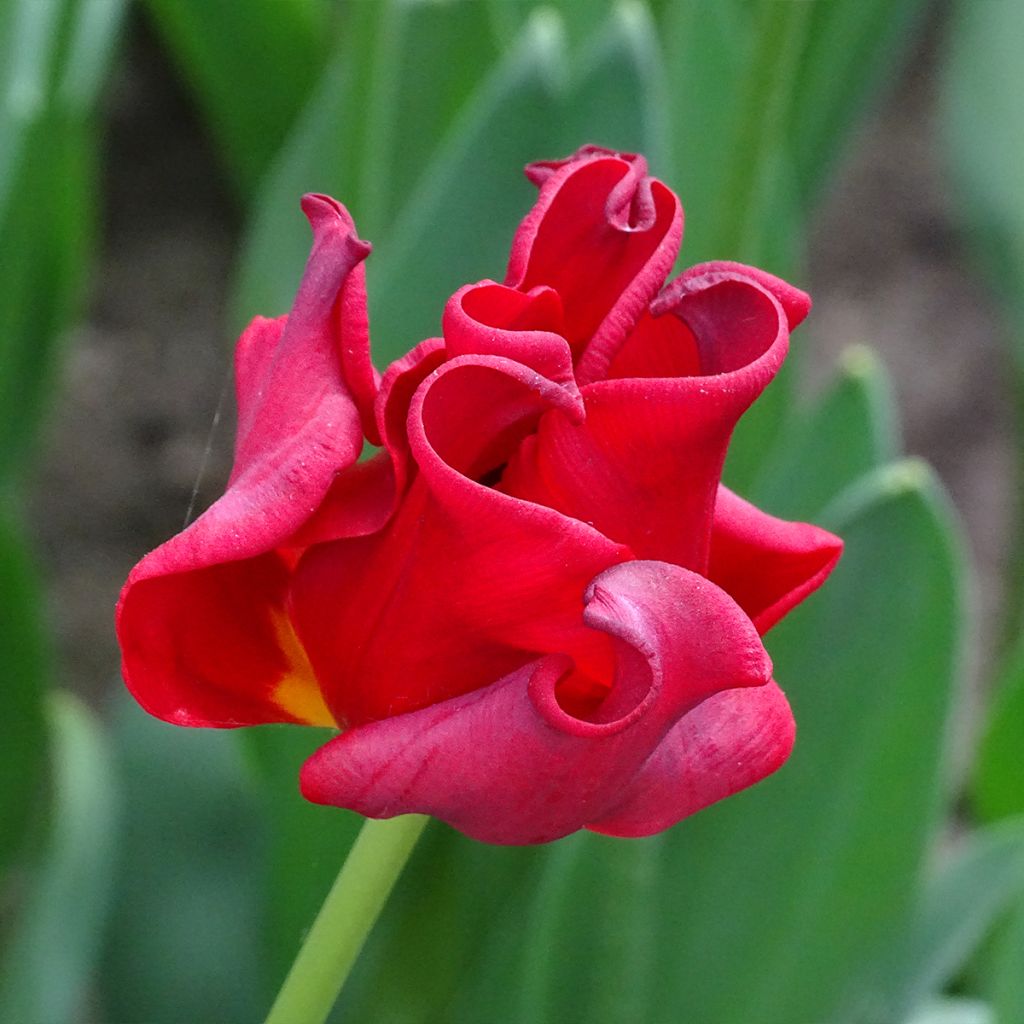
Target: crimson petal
x=768, y=565
x=603, y=234
x=508, y=764
x=733, y=740
x=406, y=617
x=186, y=604
x=644, y=465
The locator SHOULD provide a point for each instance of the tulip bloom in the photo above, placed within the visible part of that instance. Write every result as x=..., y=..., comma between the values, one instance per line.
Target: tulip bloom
x=535, y=609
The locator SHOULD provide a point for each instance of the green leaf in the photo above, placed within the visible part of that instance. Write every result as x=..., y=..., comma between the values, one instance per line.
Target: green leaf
x=367, y=135
x=185, y=932
x=1006, y=980
x=848, y=432
x=251, y=66
x=474, y=180
x=730, y=87
x=425, y=950
x=617, y=94
x=999, y=771
x=55, y=55
x=49, y=967
x=956, y=911
x=707, y=46
x=850, y=53
x=955, y=1011
x=416, y=99
x=581, y=21
x=762, y=97
x=560, y=947
x=91, y=36
x=984, y=140
x=984, y=137
x=308, y=843
x=24, y=668
x=731, y=70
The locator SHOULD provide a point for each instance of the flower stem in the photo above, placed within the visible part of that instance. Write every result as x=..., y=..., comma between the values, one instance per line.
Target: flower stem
x=345, y=919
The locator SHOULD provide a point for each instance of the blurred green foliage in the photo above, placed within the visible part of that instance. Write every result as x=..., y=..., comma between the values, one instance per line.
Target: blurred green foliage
x=57, y=793
x=172, y=874
x=48, y=968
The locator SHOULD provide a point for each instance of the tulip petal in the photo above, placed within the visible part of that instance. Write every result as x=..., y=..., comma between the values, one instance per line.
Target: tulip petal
x=733, y=740
x=215, y=646
x=508, y=764
x=203, y=630
x=768, y=565
x=465, y=584
x=603, y=235
x=362, y=498
x=493, y=319
x=644, y=465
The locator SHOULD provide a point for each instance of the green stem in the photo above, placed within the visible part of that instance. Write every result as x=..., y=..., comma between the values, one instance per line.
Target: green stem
x=345, y=919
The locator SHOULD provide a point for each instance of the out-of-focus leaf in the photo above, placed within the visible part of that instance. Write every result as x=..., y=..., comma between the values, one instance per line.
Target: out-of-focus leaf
x=617, y=95
x=307, y=843
x=730, y=77
x=850, y=52
x=580, y=20
x=849, y=431
x=956, y=911
x=49, y=967
x=999, y=772
x=382, y=107
x=1006, y=979
x=317, y=157
x=184, y=942
x=416, y=99
x=762, y=97
x=599, y=944
x=456, y=225
x=24, y=667
x=27, y=46
x=956, y=1011
x=707, y=47
x=730, y=68
x=55, y=54
x=251, y=66
x=984, y=136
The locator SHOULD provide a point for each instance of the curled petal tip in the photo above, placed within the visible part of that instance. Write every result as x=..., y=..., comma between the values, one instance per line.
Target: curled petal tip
x=321, y=211
x=796, y=304
x=539, y=171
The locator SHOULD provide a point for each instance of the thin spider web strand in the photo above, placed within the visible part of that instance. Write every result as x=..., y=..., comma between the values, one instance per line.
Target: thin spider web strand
x=211, y=436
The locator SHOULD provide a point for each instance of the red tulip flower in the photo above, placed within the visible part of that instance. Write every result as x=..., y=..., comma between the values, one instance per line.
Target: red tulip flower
x=535, y=609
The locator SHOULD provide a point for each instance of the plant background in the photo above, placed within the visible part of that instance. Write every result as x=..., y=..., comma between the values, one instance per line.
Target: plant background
x=154, y=874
